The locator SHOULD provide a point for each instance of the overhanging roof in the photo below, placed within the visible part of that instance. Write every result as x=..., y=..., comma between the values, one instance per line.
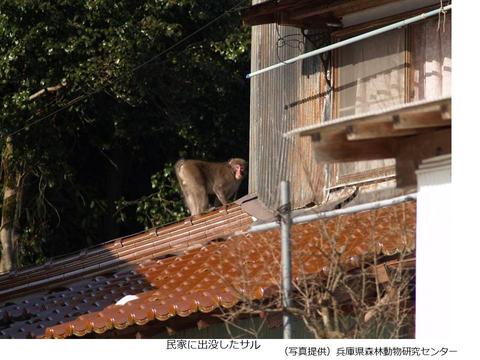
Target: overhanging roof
x=402, y=120
x=305, y=13
x=407, y=132
x=201, y=280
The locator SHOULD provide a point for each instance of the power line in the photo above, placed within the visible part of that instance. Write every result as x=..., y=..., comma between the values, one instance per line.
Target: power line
x=87, y=95
x=70, y=103
x=190, y=36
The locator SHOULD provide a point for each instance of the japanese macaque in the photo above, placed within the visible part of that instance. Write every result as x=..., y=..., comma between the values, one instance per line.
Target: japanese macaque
x=198, y=179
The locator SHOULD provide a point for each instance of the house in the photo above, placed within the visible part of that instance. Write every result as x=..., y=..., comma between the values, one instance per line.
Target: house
x=134, y=287
x=356, y=131
x=373, y=114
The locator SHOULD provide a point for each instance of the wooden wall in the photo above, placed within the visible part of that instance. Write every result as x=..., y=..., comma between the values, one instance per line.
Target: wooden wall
x=294, y=96
x=281, y=100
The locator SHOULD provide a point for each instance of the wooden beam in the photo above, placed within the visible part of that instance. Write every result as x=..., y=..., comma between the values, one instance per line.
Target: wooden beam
x=300, y=10
x=338, y=8
x=446, y=111
x=420, y=120
x=374, y=24
x=412, y=151
x=259, y=19
x=367, y=131
x=284, y=18
x=338, y=125
x=316, y=22
x=345, y=151
x=407, y=151
x=257, y=13
x=405, y=170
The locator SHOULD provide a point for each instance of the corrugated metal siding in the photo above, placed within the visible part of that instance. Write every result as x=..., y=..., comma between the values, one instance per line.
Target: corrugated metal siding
x=281, y=100
x=291, y=97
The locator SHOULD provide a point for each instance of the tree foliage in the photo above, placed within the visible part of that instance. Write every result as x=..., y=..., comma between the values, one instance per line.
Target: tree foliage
x=97, y=154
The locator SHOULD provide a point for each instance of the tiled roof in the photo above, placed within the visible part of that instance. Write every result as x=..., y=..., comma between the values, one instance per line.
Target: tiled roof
x=203, y=279
x=125, y=251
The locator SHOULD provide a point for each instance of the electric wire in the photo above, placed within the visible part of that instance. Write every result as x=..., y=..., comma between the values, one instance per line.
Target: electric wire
x=236, y=7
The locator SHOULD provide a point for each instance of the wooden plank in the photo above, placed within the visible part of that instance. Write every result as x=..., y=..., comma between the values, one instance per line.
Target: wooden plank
x=420, y=120
x=408, y=151
x=259, y=19
x=304, y=99
x=259, y=13
x=366, y=176
x=424, y=106
x=368, y=131
x=405, y=169
x=332, y=128
x=319, y=23
x=375, y=24
x=339, y=8
x=345, y=151
x=412, y=151
x=446, y=111
x=299, y=11
x=409, y=73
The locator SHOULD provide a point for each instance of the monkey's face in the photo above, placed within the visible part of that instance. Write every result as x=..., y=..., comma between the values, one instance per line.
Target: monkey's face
x=239, y=172
x=239, y=167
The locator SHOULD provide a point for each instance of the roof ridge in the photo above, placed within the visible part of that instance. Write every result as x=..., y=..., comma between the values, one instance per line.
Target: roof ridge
x=127, y=250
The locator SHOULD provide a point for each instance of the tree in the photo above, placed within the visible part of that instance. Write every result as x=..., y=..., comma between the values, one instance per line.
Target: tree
x=96, y=110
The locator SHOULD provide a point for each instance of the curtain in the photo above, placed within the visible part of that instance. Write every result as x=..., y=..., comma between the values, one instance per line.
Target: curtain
x=370, y=76
x=431, y=58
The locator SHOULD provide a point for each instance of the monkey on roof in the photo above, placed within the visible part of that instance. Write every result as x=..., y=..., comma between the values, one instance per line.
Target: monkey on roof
x=198, y=179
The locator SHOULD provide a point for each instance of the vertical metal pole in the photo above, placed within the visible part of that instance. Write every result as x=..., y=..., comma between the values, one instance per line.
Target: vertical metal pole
x=286, y=261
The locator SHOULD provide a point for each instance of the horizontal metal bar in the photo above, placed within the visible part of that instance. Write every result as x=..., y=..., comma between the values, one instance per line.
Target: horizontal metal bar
x=351, y=40
x=328, y=214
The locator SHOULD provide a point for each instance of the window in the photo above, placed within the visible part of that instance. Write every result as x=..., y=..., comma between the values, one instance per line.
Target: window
x=370, y=75
x=408, y=64
x=431, y=58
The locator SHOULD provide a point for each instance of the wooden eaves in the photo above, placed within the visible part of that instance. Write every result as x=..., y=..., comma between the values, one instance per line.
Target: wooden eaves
x=305, y=13
x=408, y=133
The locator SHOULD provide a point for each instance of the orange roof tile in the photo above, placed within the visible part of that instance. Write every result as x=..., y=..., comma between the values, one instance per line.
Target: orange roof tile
x=125, y=251
x=201, y=280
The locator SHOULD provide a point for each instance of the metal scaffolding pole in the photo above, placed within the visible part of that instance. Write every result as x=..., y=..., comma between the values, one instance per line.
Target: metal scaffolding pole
x=328, y=214
x=353, y=40
x=284, y=211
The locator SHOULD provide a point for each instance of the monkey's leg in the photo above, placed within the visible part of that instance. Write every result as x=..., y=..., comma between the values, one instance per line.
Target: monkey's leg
x=199, y=201
x=216, y=202
x=190, y=202
x=232, y=195
x=219, y=191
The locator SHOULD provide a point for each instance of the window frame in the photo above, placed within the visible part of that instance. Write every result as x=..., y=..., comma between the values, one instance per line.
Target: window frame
x=382, y=173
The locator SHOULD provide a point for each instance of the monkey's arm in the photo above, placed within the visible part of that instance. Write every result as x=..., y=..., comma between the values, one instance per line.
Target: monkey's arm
x=229, y=198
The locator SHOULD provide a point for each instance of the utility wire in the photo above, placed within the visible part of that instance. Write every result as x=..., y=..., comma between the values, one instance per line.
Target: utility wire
x=70, y=103
x=236, y=7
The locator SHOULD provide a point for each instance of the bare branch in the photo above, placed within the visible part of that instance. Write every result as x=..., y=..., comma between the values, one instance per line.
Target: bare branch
x=50, y=89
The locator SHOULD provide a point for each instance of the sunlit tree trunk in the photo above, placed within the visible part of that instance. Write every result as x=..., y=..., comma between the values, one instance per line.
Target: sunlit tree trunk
x=9, y=225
